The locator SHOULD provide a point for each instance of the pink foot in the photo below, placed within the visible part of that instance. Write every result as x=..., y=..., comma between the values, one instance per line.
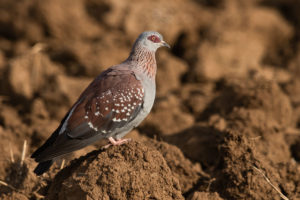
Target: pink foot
x=116, y=142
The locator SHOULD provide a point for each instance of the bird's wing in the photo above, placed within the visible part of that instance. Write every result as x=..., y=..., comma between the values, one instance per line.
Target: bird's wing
x=111, y=101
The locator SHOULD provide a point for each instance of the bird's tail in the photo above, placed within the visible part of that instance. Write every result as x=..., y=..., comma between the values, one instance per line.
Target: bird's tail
x=43, y=167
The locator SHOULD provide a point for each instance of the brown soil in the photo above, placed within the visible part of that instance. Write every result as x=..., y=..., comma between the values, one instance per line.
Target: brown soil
x=226, y=121
x=132, y=171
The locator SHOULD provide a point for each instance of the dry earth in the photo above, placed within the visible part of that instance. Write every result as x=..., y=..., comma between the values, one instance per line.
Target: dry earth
x=226, y=121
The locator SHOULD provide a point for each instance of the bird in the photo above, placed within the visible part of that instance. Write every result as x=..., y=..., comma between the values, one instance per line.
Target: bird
x=114, y=103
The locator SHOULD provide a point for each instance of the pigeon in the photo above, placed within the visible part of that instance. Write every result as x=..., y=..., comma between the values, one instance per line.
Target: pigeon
x=114, y=103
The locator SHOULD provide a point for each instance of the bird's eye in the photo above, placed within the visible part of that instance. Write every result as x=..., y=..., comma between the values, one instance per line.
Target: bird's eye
x=154, y=38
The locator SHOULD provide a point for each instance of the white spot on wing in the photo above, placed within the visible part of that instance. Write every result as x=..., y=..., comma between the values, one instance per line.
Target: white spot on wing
x=116, y=120
x=92, y=126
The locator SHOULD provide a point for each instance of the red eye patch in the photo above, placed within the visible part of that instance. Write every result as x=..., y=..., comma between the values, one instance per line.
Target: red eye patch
x=154, y=38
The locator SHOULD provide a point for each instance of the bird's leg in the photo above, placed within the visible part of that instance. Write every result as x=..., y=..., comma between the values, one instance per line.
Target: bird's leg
x=116, y=142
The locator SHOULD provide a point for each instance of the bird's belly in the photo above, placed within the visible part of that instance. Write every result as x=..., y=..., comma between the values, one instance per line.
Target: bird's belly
x=148, y=101
x=147, y=106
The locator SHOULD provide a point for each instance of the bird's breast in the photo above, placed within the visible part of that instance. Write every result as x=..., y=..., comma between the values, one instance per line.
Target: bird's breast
x=149, y=97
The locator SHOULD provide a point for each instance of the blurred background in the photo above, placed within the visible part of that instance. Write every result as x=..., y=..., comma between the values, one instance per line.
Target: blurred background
x=228, y=91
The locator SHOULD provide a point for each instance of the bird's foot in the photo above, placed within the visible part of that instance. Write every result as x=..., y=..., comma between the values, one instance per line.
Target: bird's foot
x=116, y=142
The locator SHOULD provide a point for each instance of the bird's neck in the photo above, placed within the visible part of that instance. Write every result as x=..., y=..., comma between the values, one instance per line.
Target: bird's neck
x=145, y=61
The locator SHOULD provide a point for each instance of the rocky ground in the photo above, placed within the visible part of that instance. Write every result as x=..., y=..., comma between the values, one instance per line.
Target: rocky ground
x=226, y=121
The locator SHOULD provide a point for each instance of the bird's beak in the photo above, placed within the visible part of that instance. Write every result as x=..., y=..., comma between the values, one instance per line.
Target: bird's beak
x=164, y=44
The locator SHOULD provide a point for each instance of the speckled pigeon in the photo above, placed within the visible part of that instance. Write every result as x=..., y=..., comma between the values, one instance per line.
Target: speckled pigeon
x=112, y=105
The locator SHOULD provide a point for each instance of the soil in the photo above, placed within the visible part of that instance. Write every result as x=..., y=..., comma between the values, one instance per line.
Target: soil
x=226, y=120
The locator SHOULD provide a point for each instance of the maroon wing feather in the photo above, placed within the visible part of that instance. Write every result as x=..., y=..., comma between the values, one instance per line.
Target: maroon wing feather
x=110, y=102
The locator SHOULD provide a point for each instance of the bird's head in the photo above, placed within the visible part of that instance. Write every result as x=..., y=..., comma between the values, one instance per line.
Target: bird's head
x=151, y=40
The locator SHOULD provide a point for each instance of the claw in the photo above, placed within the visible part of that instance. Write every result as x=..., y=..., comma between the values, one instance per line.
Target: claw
x=116, y=142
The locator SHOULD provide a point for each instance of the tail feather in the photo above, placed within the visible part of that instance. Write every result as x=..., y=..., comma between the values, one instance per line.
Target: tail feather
x=43, y=167
x=50, y=140
x=48, y=143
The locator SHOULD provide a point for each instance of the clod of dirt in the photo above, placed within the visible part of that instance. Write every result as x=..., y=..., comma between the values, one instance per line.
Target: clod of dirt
x=169, y=72
x=14, y=195
x=253, y=124
x=62, y=90
x=236, y=177
x=289, y=9
x=183, y=169
x=131, y=171
x=161, y=122
x=260, y=111
x=204, y=196
x=293, y=90
x=2, y=61
x=59, y=26
x=218, y=55
x=29, y=73
x=244, y=168
x=9, y=117
x=20, y=179
x=12, y=17
x=198, y=143
x=255, y=95
x=295, y=149
x=11, y=126
x=20, y=176
x=197, y=96
x=73, y=54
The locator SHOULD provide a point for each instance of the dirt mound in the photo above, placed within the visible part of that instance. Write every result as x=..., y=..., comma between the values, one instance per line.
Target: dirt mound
x=134, y=171
x=254, y=96
x=243, y=165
